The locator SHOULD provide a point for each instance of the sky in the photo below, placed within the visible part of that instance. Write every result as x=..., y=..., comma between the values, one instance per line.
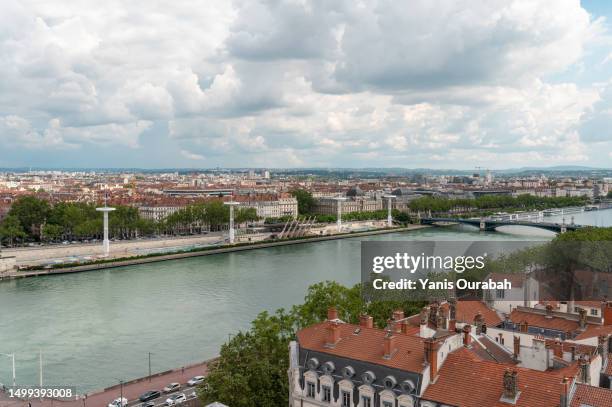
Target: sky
x=305, y=83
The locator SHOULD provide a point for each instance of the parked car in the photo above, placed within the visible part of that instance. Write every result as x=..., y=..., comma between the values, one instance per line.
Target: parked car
x=196, y=380
x=175, y=399
x=171, y=387
x=118, y=402
x=150, y=395
x=148, y=404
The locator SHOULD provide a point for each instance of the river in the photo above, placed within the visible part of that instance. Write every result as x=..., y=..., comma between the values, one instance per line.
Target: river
x=96, y=328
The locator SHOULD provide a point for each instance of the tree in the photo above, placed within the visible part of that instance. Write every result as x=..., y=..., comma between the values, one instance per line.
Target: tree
x=51, y=232
x=31, y=213
x=252, y=368
x=11, y=229
x=306, y=202
x=609, y=194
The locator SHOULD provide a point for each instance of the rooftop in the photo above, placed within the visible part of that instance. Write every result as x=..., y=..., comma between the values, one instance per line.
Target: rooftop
x=468, y=381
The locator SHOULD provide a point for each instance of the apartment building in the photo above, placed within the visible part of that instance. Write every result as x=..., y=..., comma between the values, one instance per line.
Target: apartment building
x=270, y=206
x=448, y=355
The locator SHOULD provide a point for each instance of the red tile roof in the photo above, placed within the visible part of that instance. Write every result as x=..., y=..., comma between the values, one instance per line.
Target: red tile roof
x=591, y=396
x=467, y=310
x=490, y=350
x=542, y=321
x=366, y=346
x=595, y=330
x=463, y=371
x=608, y=371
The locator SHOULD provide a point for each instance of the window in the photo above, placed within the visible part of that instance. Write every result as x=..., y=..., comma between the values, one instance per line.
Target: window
x=594, y=311
x=310, y=390
x=327, y=394
x=500, y=294
x=366, y=401
x=387, y=404
x=576, y=309
x=346, y=399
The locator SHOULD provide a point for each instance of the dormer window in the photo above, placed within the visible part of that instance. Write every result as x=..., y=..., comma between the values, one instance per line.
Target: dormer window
x=310, y=390
x=346, y=398
x=326, y=394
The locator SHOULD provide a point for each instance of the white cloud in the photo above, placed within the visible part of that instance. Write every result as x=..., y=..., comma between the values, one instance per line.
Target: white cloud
x=191, y=156
x=304, y=83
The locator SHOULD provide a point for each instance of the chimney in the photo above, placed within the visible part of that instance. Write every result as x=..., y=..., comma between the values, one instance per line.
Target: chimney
x=478, y=322
x=582, y=318
x=452, y=314
x=398, y=314
x=517, y=347
x=549, y=311
x=585, y=369
x=332, y=314
x=607, y=312
x=405, y=327
x=565, y=392
x=452, y=308
x=431, y=356
x=442, y=322
x=511, y=390
x=467, y=338
x=602, y=347
x=433, y=312
x=573, y=352
x=424, y=330
x=333, y=334
x=366, y=321
x=389, y=345
x=558, y=348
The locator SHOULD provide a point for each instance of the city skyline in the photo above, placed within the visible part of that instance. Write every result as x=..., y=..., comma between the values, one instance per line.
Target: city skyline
x=331, y=85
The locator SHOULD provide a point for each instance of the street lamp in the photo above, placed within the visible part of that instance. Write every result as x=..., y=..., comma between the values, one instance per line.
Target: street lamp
x=12, y=356
x=120, y=393
x=105, y=210
x=231, y=205
x=389, y=204
x=339, y=200
x=150, y=366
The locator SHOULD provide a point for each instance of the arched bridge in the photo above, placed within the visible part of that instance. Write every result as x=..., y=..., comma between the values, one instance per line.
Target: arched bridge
x=491, y=225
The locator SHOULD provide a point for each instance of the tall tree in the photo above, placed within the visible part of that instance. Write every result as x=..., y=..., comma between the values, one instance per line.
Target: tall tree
x=11, y=229
x=31, y=213
x=306, y=202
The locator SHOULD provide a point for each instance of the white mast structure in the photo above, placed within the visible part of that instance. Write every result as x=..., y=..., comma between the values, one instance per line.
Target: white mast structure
x=339, y=199
x=389, y=205
x=105, y=210
x=231, y=205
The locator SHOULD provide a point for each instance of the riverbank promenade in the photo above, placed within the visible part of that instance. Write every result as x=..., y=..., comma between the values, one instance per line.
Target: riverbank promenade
x=132, y=389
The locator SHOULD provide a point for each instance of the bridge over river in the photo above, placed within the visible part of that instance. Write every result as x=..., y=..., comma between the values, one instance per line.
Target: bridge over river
x=490, y=225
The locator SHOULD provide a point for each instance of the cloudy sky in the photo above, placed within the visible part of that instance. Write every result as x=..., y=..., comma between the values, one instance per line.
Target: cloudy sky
x=305, y=83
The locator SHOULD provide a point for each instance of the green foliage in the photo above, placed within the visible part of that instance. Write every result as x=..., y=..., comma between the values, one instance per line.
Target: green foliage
x=206, y=215
x=31, y=218
x=305, y=200
x=31, y=213
x=609, y=194
x=252, y=368
x=11, y=229
x=521, y=202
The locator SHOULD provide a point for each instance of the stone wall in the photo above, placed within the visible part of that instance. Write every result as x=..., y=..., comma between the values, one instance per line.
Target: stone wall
x=7, y=264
